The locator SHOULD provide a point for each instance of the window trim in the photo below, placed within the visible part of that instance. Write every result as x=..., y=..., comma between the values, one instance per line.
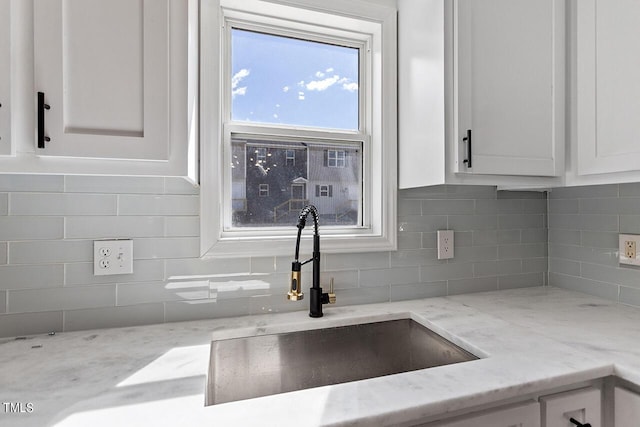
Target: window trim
x=337, y=158
x=259, y=156
x=287, y=157
x=375, y=19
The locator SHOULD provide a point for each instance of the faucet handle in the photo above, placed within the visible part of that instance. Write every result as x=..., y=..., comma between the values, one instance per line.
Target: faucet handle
x=332, y=295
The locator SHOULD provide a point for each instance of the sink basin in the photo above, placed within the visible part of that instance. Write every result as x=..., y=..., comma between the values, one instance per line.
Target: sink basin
x=244, y=368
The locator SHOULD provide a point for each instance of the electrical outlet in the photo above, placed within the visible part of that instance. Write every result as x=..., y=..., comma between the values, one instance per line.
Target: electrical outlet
x=627, y=249
x=112, y=257
x=630, y=248
x=445, y=244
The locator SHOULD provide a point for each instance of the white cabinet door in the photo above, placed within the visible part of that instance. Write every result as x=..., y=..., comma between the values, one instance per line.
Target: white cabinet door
x=582, y=405
x=607, y=86
x=5, y=77
x=520, y=415
x=627, y=408
x=510, y=90
x=103, y=66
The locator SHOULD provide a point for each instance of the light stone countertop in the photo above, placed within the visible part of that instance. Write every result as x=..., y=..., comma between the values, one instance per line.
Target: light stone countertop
x=530, y=340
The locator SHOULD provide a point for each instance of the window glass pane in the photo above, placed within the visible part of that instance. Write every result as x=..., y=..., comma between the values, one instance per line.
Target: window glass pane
x=271, y=192
x=282, y=80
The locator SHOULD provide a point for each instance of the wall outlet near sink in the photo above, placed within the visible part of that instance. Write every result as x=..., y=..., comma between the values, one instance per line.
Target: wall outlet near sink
x=445, y=244
x=627, y=245
x=112, y=257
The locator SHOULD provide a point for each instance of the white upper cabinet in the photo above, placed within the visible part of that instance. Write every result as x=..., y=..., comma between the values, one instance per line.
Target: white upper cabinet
x=101, y=86
x=510, y=86
x=494, y=69
x=5, y=77
x=103, y=67
x=607, y=88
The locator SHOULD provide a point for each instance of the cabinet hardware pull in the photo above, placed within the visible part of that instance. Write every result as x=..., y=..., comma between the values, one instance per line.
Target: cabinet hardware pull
x=467, y=139
x=41, y=107
x=578, y=423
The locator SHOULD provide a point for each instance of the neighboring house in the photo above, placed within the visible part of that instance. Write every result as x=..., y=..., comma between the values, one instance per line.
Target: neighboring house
x=272, y=185
x=280, y=178
x=335, y=182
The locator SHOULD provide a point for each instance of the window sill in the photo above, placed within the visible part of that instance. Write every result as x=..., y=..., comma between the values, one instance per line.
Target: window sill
x=283, y=246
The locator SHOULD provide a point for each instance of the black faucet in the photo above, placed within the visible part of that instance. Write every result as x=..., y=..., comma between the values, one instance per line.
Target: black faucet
x=295, y=288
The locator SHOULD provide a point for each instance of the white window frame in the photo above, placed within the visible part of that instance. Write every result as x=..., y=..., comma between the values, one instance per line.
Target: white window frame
x=323, y=190
x=338, y=159
x=263, y=190
x=374, y=24
x=259, y=156
x=288, y=157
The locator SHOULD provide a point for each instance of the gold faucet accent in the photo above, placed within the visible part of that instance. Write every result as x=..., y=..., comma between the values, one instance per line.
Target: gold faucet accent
x=332, y=294
x=295, y=287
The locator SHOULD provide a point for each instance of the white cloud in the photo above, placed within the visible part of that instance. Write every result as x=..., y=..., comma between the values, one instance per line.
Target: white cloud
x=319, y=74
x=329, y=70
x=275, y=116
x=301, y=96
x=321, y=85
x=235, y=81
x=237, y=77
x=301, y=83
x=285, y=89
x=239, y=91
x=351, y=87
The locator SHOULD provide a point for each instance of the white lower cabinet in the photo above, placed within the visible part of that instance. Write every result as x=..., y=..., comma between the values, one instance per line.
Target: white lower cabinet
x=584, y=406
x=519, y=415
x=573, y=408
x=626, y=408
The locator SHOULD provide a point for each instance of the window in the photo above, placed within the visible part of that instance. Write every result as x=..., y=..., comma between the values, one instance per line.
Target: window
x=335, y=158
x=324, y=190
x=261, y=155
x=301, y=89
x=290, y=159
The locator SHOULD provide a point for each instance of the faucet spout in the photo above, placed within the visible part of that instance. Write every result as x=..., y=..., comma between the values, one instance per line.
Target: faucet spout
x=317, y=297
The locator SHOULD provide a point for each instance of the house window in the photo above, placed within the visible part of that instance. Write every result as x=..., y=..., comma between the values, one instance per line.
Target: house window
x=290, y=159
x=261, y=155
x=263, y=190
x=324, y=190
x=303, y=85
x=336, y=158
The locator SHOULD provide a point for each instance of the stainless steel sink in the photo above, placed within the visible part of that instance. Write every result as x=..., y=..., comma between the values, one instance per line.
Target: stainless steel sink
x=243, y=368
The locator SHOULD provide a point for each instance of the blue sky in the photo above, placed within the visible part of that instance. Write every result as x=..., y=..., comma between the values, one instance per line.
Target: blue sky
x=289, y=81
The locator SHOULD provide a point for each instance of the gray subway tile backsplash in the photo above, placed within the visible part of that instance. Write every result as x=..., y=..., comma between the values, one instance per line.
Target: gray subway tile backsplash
x=66, y=204
x=21, y=324
x=46, y=253
x=4, y=204
x=583, y=243
x=113, y=317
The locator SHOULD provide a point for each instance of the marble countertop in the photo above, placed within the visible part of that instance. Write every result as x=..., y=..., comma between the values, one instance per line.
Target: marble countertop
x=530, y=340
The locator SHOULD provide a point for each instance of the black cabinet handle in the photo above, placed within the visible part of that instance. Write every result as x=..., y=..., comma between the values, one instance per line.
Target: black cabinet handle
x=41, y=107
x=467, y=139
x=578, y=423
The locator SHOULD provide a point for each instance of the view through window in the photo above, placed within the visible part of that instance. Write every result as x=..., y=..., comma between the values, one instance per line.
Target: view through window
x=305, y=86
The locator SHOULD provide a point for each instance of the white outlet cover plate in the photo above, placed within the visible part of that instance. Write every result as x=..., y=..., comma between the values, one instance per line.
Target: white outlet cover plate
x=112, y=257
x=622, y=258
x=445, y=244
